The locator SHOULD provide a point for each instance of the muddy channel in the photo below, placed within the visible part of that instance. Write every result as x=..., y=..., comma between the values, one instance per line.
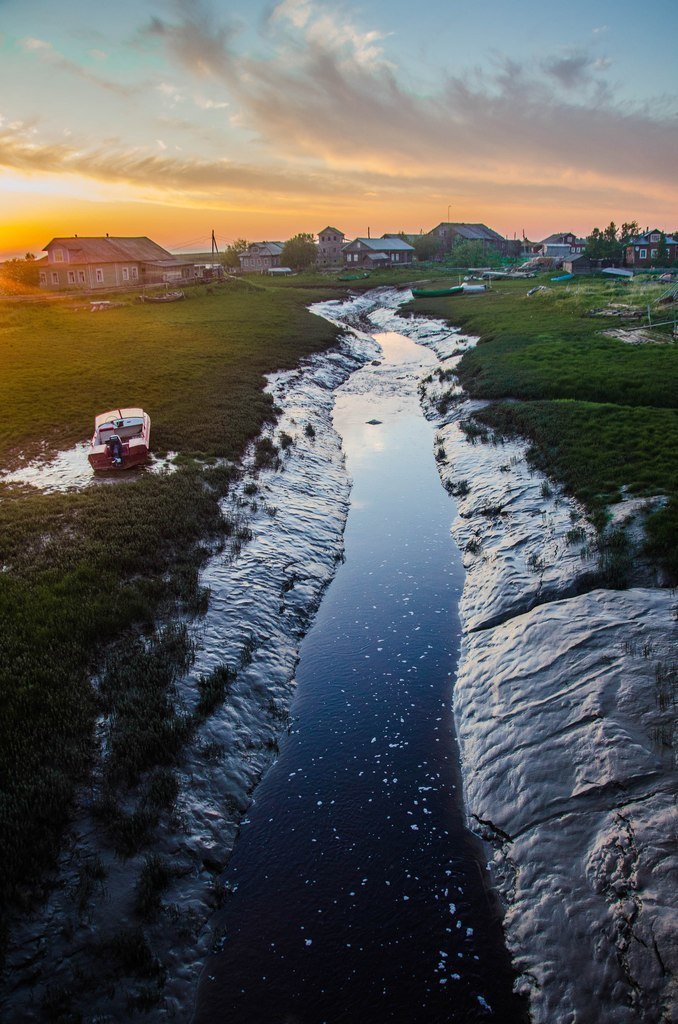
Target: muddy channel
x=435, y=791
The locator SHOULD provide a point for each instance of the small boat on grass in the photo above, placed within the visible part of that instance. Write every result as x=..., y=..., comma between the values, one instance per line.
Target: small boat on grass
x=436, y=293
x=121, y=440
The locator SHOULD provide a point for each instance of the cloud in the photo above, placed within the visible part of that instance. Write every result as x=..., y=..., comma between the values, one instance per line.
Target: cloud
x=575, y=69
x=296, y=11
x=46, y=52
x=195, y=39
x=332, y=29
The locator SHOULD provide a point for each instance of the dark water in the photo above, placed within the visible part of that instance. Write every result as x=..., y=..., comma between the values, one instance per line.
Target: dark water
x=360, y=895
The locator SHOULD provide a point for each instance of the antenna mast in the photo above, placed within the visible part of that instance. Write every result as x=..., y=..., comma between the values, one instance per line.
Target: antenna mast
x=215, y=247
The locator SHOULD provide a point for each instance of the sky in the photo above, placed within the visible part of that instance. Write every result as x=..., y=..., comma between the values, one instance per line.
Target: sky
x=262, y=118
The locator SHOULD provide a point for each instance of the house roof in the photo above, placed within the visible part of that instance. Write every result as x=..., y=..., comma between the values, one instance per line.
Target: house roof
x=263, y=249
x=383, y=244
x=472, y=232
x=112, y=250
x=558, y=237
x=335, y=230
x=644, y=239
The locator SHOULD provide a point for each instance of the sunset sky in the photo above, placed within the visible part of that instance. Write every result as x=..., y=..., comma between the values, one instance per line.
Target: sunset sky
x=260, y=119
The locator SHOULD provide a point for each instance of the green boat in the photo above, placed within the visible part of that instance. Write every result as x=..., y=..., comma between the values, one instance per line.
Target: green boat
x=435, y=293
x=353, y=277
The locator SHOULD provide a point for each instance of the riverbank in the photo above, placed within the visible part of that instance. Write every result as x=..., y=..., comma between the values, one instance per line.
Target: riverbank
x=126, y=931
x=565, y=709
x=523, y=554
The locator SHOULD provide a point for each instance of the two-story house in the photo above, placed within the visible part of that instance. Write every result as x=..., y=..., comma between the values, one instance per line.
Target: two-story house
x=260, y=257
x=105, y=263
x=562, y=244
x=643, y=251
x=330, y=244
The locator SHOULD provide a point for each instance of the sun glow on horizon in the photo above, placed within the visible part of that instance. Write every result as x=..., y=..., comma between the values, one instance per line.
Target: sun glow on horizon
x=261, y=123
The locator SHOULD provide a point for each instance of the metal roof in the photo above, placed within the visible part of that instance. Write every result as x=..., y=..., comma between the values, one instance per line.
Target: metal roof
x=264, y=249
x=112, y=250
x=383, y=244
x=472, y=232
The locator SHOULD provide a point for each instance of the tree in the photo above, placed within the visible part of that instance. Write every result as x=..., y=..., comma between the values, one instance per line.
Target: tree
x=610, y=243
x=230, y=259
x=299, y=252
x=427, y=247
x=662, y=251
x=473, y=254
x=22, y=272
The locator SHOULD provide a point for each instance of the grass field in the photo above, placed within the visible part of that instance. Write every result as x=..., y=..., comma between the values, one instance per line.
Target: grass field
x=601, y=414
x=82, y=569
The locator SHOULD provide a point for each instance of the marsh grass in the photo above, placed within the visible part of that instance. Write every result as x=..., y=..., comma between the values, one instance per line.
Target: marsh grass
x=82, y=570
x=601, y=415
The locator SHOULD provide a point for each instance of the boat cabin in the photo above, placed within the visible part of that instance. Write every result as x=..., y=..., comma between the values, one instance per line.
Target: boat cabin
x=126, y=423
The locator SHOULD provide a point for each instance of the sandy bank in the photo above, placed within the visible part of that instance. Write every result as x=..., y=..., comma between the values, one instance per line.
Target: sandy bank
x=564, y=708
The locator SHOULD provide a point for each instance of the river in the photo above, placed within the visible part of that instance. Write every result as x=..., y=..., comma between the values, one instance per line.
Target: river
x=357, y=892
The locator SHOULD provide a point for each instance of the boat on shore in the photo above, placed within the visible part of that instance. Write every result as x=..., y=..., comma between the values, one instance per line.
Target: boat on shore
x=121, y=440
x=435, y=293
x=164, y=297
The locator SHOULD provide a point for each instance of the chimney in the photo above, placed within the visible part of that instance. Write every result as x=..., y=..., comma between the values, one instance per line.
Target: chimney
x=368, y=233
x=107, y=234
x=75, y=236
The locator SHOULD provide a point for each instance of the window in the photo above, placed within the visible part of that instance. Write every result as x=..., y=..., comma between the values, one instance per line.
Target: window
x=135, y=273
x=43, y=277
x=99, y=275
x=125, y=273
x=81, y=277
x=71, y=277
x=654, y=238
x=643, y=254
x=55, y=277
x=58, y=255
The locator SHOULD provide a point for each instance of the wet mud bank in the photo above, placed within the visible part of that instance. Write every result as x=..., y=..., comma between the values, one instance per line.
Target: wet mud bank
x=355, y=858
x=88, y=952
x=565, y=712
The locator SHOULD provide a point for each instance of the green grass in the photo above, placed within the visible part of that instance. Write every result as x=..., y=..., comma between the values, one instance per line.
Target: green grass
x=600, y=414
x=81, y=570
x=195, y=366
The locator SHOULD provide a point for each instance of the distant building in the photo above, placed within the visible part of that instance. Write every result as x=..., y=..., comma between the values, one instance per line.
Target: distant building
x=562, y=244
x=449, y=233
x=643, y=251
x=377, y=252
x=261, y=256
x=104, y=263
x=330, y=243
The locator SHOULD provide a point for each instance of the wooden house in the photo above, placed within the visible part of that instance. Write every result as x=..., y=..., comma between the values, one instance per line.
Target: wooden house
x=106, y=263
x=260, y=257
x=563, y=243
x=377, y=252
x=330, y=244
x=643, y=251
x=449, y=233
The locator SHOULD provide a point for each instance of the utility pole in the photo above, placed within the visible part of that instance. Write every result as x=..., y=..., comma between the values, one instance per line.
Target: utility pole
x=215, y=247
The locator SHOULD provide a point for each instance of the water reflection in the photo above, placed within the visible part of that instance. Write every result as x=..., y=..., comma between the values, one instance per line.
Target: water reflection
x=357, y=889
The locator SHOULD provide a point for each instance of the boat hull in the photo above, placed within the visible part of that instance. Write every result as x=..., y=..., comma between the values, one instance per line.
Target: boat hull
x=134, y=450
x=435, y=293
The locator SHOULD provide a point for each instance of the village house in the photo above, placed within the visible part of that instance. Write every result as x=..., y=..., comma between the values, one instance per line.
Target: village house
x=449, y=233
x=561, y=245
x=377, y=252
x=104, y=263
x=260, y=257
x=330, y=243
x=643, y=251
